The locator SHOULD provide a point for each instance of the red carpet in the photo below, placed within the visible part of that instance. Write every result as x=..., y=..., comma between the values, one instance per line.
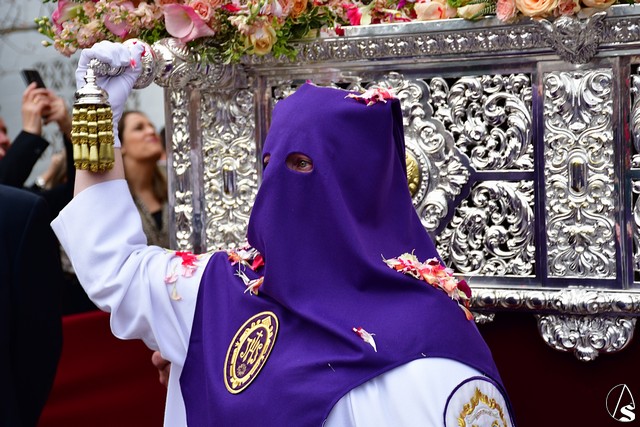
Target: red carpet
x=101, y=380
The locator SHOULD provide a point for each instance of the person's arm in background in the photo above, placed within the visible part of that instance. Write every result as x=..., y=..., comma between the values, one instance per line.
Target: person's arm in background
x=26, y=149
x=59, y=113
x=58, y=195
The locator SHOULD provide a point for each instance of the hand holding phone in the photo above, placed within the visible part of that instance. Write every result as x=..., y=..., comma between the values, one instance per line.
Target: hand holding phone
x=30, y=76
x=35, y=102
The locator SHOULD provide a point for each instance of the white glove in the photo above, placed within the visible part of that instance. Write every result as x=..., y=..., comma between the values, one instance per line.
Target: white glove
x=118, y=87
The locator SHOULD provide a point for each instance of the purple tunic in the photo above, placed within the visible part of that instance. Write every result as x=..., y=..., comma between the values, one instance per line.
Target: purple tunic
x=323, y=236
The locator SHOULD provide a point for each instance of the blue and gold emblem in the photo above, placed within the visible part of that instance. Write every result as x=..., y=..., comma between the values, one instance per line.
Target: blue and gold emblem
x=249, y=350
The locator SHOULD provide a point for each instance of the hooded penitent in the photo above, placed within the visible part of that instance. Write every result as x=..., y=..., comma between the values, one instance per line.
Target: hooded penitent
x=286, y=355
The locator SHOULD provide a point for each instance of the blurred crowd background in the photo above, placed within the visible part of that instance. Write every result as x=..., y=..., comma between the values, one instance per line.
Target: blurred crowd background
x=21, y=48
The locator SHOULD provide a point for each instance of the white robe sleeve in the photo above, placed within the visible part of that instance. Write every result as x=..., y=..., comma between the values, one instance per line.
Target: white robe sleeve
x=146, y=289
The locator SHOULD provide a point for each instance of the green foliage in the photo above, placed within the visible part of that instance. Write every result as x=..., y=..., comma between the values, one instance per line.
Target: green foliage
x=153, y=35
x=457, y=3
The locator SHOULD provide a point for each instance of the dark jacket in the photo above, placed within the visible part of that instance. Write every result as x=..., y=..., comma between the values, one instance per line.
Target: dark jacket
x=18, y=163
x=30, y=320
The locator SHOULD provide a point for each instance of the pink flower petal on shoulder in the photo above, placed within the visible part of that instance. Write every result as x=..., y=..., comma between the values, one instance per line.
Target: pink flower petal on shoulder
x=373, y=96
x=433, y=272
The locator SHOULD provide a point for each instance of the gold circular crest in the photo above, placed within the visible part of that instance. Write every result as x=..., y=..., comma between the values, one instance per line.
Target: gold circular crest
x=249, y=350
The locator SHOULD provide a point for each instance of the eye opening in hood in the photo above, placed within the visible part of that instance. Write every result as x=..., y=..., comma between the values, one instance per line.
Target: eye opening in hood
x=299, y=162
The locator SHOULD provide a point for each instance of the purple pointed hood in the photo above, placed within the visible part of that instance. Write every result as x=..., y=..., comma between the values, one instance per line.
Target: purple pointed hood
x=323, y=236
x=336, y=223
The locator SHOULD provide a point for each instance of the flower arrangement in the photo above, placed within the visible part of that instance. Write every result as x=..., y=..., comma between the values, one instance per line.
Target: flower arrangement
x=217, y=28
x=232, y=28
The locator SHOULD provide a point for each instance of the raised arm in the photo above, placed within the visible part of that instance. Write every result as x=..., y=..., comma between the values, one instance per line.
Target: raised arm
x=118, y=87
x=140, y=285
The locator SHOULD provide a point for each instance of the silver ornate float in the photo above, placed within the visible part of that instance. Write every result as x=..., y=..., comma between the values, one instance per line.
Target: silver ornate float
x=523, y=146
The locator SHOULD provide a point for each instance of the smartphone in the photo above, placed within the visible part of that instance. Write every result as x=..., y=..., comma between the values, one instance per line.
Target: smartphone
x=30, y=76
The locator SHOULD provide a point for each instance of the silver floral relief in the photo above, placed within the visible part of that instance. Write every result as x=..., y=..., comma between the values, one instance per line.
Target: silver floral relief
x=424, y=43
x=575, y=40
x=229, y=167
x=180, y=179
x=490, y=118
x=492, y=231
x=586, y=336
x=173, y=64
x=580, y=199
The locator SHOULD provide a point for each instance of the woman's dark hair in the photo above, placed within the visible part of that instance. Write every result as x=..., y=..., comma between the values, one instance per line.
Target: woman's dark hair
x=160, y=187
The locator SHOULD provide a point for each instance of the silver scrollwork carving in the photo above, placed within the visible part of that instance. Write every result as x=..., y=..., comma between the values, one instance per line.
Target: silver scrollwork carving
x=442, y=169
x=230, y=170
x=490, y=117
x=579, y=173
x=180, y=178
x=492, y=231
x=586, y=336
x=175, y=64
x=575, y=40
x=575, y=301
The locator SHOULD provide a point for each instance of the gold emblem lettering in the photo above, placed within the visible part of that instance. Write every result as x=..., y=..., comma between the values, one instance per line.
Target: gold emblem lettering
x=249, y=350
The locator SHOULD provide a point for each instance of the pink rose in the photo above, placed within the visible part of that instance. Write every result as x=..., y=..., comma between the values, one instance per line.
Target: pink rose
x=536, y=7
x=262, y=38
x=202, y=8
x=184, y=23
x=506, y=10
x=568, y=7
x=429, y=10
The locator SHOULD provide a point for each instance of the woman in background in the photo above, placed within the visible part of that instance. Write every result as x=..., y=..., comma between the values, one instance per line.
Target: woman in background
x=141, y=150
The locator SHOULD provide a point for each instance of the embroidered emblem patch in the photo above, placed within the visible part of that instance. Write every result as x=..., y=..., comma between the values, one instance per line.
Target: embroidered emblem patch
x=249, y=351
x=477, y=402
